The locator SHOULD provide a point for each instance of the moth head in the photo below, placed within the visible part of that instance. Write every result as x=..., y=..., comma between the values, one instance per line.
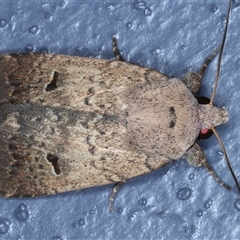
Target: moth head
x=210, y=116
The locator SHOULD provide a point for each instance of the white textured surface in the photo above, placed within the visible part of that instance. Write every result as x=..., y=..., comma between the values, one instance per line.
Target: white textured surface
x=173, y=37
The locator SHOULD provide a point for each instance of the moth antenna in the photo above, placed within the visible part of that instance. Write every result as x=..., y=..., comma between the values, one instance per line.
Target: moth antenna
x=220, y=53
x=226, y=156
x=215, y=176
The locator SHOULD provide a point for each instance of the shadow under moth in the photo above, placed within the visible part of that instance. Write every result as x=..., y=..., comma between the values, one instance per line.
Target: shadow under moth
x=70, y=123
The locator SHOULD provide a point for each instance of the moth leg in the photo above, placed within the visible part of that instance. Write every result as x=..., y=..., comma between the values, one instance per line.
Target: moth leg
x=196, y=157
x=193, y=79
x=113, y=195
x=117, y=54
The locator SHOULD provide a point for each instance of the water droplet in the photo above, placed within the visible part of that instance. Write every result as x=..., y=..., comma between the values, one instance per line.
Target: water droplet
x=148, y=12
x=184, y=193
x=156, y=51
x=129, y=25
x=237, y=204
x=21, y=213
x=213, y=8
x=96, y=35
x=120, y=210
x=33, y=29
x=132, y=216
x=81, y=222
x=48, y=16
x=29, y=48
x=140, y=5
x=162, y=214
x=45, y=5
x=191, y=176
x=200, y=213
x=4, y=227
x=92, y=211
x=110, y=7
x=57, y=238
x=208, y=204
x=3, y=23
x=142, y=201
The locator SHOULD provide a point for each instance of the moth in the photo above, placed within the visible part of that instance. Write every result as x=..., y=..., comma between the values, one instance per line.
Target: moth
x=70, y=122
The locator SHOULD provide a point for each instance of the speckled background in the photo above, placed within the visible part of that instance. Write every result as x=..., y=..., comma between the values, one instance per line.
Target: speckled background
x=174, y=37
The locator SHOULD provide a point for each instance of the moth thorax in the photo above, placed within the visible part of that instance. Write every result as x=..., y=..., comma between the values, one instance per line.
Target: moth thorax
x=211, y=116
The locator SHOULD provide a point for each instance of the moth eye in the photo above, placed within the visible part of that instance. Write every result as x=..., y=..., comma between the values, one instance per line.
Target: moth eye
x=205, y=133
x=203, y=100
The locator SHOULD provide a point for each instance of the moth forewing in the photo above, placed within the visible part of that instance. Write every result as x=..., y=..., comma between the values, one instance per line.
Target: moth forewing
x=68, y=130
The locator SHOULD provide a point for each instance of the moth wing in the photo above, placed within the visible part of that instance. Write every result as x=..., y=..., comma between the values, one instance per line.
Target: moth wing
x=63, y=123
x=70, y=82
